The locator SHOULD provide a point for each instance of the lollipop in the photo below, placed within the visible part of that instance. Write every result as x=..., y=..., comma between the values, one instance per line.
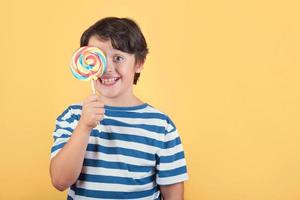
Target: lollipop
x=88, y=63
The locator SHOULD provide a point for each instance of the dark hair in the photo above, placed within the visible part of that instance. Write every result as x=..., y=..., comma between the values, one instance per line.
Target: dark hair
x=125, y=35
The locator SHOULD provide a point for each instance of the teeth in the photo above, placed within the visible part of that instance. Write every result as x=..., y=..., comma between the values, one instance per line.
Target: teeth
x=109, y=80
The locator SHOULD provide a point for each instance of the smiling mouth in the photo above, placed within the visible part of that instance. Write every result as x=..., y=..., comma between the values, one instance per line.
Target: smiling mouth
x=109, y=81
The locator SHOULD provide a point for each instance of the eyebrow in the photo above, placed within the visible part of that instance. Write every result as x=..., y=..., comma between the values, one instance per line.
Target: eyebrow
x=115, y=51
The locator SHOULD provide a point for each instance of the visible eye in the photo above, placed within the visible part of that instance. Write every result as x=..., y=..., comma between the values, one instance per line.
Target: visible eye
x=118, y=58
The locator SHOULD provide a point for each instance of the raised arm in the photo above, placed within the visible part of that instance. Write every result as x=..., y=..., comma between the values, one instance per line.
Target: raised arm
x=66, y=165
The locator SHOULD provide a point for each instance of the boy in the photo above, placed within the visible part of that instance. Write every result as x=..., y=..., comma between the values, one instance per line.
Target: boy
x=115, y=146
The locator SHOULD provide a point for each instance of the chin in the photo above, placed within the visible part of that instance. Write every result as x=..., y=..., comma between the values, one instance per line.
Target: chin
x=109, y=95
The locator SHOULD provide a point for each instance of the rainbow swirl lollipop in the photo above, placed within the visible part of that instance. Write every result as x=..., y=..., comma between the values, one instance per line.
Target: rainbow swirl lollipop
x=88, y=63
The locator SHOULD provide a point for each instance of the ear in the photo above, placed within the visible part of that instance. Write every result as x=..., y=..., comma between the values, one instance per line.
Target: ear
x=139, y=66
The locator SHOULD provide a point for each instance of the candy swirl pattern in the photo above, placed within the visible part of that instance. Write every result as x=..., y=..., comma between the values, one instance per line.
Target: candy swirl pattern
x=88, y=63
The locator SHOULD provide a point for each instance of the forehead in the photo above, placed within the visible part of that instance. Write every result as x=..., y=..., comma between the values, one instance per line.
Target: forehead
x=107, y=48
x=104, y=45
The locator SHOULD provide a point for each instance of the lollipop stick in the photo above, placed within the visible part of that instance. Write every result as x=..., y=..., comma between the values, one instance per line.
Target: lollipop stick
x=94, y=92
x=93, y=86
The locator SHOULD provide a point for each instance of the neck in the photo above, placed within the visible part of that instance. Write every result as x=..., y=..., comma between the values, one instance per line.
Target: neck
x=129, y=100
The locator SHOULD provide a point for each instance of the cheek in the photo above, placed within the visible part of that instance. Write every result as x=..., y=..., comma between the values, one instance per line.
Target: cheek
x=128, y=76
x=127, y=72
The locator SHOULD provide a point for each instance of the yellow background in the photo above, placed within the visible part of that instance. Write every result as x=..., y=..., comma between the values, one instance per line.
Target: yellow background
x=227, y=72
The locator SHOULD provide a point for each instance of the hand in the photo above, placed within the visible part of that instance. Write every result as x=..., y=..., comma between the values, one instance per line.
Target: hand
x=92, y=111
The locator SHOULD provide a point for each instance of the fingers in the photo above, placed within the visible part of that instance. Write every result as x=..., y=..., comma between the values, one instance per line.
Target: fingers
x=92, y=98
x=97, y=104
x=95, y=107
x=92, y=111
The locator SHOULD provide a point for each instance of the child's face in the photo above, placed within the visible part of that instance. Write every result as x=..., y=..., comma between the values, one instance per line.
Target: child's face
x=117, y=82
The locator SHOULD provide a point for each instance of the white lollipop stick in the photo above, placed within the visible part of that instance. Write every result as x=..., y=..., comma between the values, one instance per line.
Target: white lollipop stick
x=93, y=86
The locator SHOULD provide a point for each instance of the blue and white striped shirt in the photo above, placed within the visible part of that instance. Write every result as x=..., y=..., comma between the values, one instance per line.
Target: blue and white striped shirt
x=129, y=154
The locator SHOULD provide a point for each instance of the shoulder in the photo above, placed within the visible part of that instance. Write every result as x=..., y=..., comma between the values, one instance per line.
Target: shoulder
x=166, y=119
x=71, y=111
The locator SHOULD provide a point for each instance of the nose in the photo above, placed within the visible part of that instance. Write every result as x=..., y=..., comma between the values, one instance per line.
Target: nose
x=109, y=65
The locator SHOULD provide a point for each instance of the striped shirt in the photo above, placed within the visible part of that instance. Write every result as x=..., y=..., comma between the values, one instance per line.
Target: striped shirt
x=129, y=154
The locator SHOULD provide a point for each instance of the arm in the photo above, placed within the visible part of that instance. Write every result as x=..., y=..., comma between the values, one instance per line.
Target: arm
x=172, y=192
x=65, y=167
